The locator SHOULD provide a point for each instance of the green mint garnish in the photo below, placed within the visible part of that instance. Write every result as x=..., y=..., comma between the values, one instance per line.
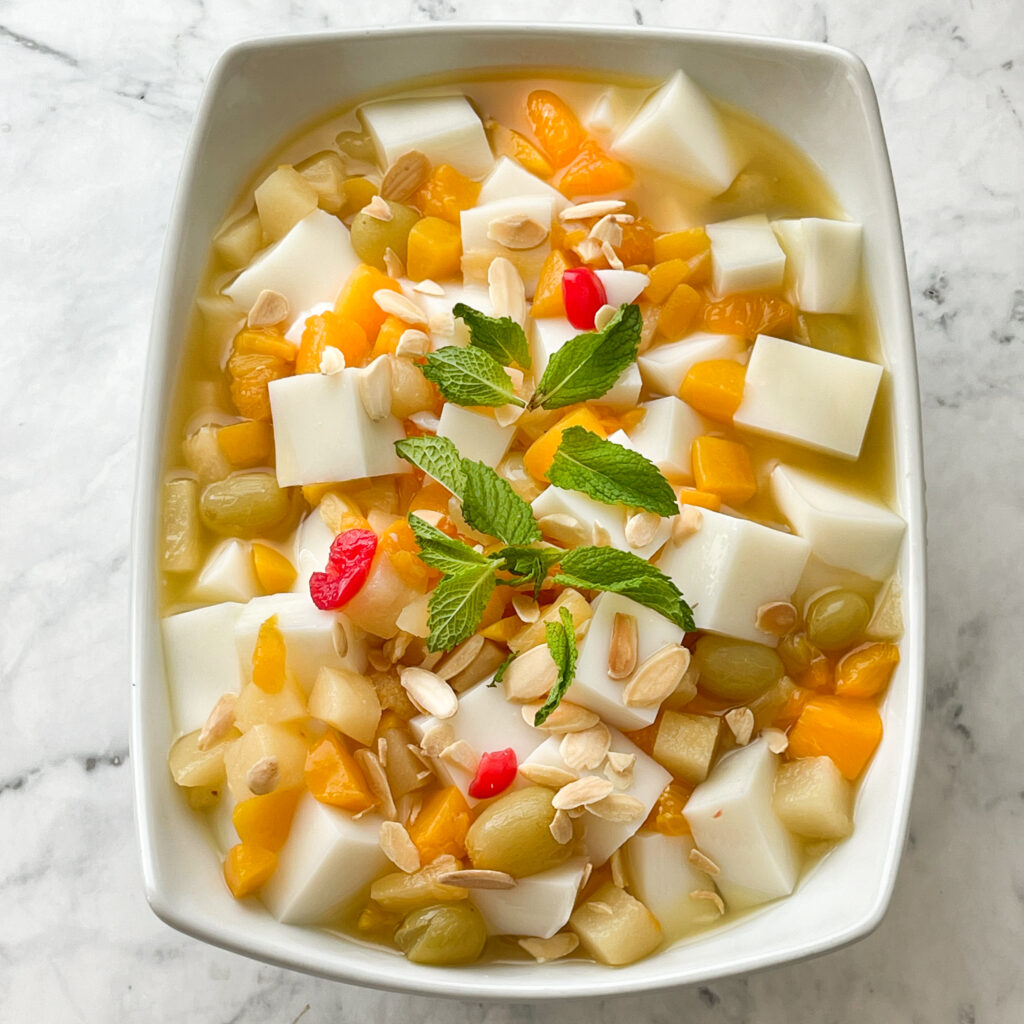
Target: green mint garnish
x=436, y=456
x=530, y=564
x=442, y=552
x=469, y=376
x=500, y=337
x=491, y=506
x=561, y=639
x=457, y=604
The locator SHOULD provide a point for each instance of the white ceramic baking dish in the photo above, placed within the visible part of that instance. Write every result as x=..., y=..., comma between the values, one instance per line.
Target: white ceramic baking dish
x=259, y=93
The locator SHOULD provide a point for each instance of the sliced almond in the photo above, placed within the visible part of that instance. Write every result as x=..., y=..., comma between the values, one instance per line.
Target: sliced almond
x=426, y=421
x=412, y=344
x=395, y=648
x=517, y=231
x=270, y=308
x=558, y=946
x=382, y=751
x=375, y=389
x=622, y=651
x=376, y=779
x=587, y=211
x=618, y=807
x=777, y=617
x=462, y=755
x=585, y=750
x=612, y=256
x=404, y=177
x=525, y=607
x=641, y=528
x=599, y=535
x=332, y=360
x=607, y=229
x=704, y=862
x=603, y=317
x=263, y=776
x=711, y=897
x=565, y=718
x=546, y=775
x=378, y=209
x=561, y=828
x=460, y=657
x=778, y=741
x=618, y=769
x=687, y=523
x=581, y=793
x=588, y=870
x=589, y=250
x=409, y=807
x=428, y=287
x=432, y=516
x=565, y=528
x=218, y=723
x=741, y=724
x=429, y=692
x=399, y=305
x=393, y=264
x=618, y=868
x=478, y=878
x=398, y=847
x=530, y=675
x=656, y=677
x=507, y=291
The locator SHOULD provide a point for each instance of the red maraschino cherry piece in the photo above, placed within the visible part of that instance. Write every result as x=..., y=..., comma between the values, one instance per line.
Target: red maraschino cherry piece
x=494, y=774
x=348, y=565
x=584, y=295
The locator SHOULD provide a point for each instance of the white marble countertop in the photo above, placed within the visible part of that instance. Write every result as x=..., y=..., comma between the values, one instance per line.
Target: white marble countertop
x=95, y=105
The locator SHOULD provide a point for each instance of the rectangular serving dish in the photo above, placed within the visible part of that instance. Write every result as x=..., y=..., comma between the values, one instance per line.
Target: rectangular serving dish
x=259, y=93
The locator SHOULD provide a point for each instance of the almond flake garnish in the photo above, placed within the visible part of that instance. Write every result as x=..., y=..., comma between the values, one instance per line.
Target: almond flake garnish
x=375, y=389
x=263, y=776
x=412, y=344
x=478, y=878
x=612, y=256
x=607, y=230
x=409, y=807
x=546, y=775
x=599, y=535
x=219, y=722
x=778, y=741
x=429, y=692
x=382, y=751
x=426, y=421
x=561, y=828
x=687, y=523
x=393, y=263
x=741, y=724
x=428, y=287
x=378, y=209
x=531, y=675
x=332, y=360
x=398, y=847
x=622, y=650
x=432, y=516
x=657, y=677
x=269, y=308
x=617, y=807
x=526, y=607
x=588, y=870
x=507, y=291
x=399, y=305
x=603, y=317
x=460, y=657
x=585, y=750
x=558, y=946
x=599, y=907
x=516, y=231
x=377, y=781
x=618, y=869
x=565, y=528
x=641, y=528
x=589, y=250
x=777, y=617
x=618, y=769
x=405, y=176
x=462, y=755
x=711, y=897
x=581, y=793
x=395, y=648
x=565, y=718
x=597, y=208
x=704, y=862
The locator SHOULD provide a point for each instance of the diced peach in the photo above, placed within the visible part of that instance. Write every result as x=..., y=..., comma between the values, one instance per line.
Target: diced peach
x=274, y=572
x=845, y=729
x=264, y=821
x=446, y=193
x=663, y=278
x=435, y=250
x=358, y=192
x=246, y=444
x=702, y=499
x=548, y=299
x=723, y=467
x=866, y=671
x=388, y=336
x=248, y=868
x=679, y=311
x=333, y=776
x=681, y=245
x=355, y=301
x=268, y=657
x=504, y=629
x=441, y=826
x=714, y=388
x=538, y=457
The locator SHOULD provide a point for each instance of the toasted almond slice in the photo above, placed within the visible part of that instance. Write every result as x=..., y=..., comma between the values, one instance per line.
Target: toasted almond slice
x=429, y=692
x=581, y=793
x=477, y=878
x=398, y=847
x=617, y=807
x=589, y=250
x=462, y=755
x=430, y=660
x=378, y=209
x=561, y=828
x=687, y=523
x=704, y=862
x=612, y=256
x=393, y=263
x=395, y=648
x=603, y=317
x=399, y=305
x=622, y=651
x=530, y=675
x=332, y=360
x=585, y=750
x=656, y=677
x=263, y=776
x=269, y=308
x=565, y=528
x=218, y=723
x=516, y=231
x=641, y=528
x=618, y=869
x=711, y=897
x=546, y=775
x=620, y=762
x=460, y=657
x=777, y=617
x=382, y=751
x=377, y=781
x=409, y=807
x=432, y=516
x=599, y=535
x=778, y=741
x=588, y=870
x=565, y=718
x=526, y=607
x=596, y=208
x=607, y=229
x=405, y=176
x=412, y=344
x=558, y=946
x=741, y=724
x=426, y=421
x=507, y=291
x=375, y=389
x=428, y=287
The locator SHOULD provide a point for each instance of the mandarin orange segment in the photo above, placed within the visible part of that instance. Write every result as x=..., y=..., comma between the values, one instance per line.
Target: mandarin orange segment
x=866, y=671
x=264, y=341
x=724, y=468
x=666, y=815
x=637, y=246
x=679, y=311
x=399, y=544
x=446, y=193
x=248, y=868
x=333, y=776
x=274, y=572
x=328, y=329
x=257, y=358
x=714, y=388
x=845, y=729
x=507, y=142
x=441, y=826
x=594, y=173
x=548, y=299
x=355, y=301
x=554, y=125
x=265, y=821
x=538, y=457
x=750, y=315
x=268, y=657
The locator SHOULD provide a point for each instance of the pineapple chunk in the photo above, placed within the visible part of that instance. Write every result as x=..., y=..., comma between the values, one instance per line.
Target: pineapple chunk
x=347, y=701
x=283, y=199
x=265, y=741
x=325, y=171
x=615, y=928
x=257, y=707
x=813, y=799
x=685, y=745
x=240, y=241
x=193, y=767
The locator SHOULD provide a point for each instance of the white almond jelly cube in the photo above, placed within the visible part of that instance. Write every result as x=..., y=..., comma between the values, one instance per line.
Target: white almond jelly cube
x=664, y=367
x=323, y=434
x=823, y=262
x=734, y=824
x=666, y=434
x=729, y=568
x=476, y=227
x=477, y=436
x=809, y=397
x=228, y=574
x=445, y=129
x=745, y=255
x=308, y=266
x=593, y=688
x=538, y=905
x=201, y=660
x=843, y=529
x=509, y=178
x=327, y=864
x=678, y=133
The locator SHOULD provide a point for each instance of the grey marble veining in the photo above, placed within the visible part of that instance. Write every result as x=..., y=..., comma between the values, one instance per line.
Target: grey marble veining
x=95, y=105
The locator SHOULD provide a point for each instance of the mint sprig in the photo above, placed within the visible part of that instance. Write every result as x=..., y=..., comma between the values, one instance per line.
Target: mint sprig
x=622, y=572
x=491, y=506
x=608, y=472
x=588, y=365
x=469, y=376
x=561, y=640
x=457, y=604
x=436, y=456
x=530, y=565
x=442, y=552
x=500, y=337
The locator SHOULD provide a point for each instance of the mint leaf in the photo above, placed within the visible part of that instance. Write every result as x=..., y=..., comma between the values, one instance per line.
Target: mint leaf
x=621, y=572
x=491, y=506
x=469, y=376
x=436, y=456
x=531, y=565
x=561, y=638
x=500, y=337
x=440, y=551
x=502, y=669
x=457, y=604
x=590, y=364
x=610, y=473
